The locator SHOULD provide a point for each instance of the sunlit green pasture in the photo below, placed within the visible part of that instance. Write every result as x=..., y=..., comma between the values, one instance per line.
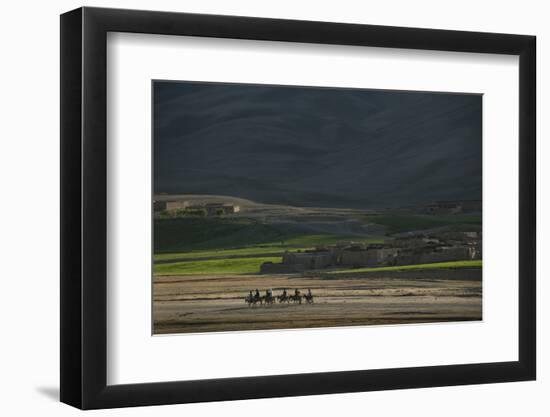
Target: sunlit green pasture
x=214, y=266
x=219, y=253
x=306, y=242
x=188, y=235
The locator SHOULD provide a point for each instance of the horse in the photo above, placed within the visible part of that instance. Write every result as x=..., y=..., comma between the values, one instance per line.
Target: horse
x=283, y=298
x=253, y=300
x=269, y=299
x=295, y=298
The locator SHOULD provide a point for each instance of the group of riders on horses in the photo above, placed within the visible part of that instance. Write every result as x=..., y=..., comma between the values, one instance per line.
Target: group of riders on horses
x=255, y=297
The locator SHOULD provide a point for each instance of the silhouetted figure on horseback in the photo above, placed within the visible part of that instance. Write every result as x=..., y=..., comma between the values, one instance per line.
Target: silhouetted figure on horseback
x=253, y=298
x=297, y=297
x=309, y=296
x=283, y=297
x=250, y=299
x=269, y=299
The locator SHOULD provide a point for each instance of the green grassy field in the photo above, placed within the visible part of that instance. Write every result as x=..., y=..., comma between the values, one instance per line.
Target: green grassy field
x=406, y=223
x=192, y=237
x=316, y=240
x=438, y=265
x=186, y=234
x=180, y=235
x=204, y=234
x=204, y=241
x=252, y=265
x=294, y=244
x=214, y=266
x=211, y=238
x=217, y=253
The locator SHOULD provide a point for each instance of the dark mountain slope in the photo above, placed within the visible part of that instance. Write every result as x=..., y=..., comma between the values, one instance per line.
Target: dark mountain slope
x=316, y=147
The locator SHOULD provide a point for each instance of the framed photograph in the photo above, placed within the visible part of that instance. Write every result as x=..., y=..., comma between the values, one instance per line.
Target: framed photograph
x=259, y=208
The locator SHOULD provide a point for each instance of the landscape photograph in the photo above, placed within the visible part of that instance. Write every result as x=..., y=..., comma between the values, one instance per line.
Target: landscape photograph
x=291, y=207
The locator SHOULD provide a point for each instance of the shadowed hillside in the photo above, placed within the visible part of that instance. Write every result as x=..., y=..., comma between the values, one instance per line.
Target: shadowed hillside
x=317, y=147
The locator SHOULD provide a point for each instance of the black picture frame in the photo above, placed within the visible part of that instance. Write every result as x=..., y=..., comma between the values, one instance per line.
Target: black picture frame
x=84, y=207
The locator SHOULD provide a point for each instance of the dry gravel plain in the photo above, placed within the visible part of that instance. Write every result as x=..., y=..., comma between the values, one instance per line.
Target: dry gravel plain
x=191, y=304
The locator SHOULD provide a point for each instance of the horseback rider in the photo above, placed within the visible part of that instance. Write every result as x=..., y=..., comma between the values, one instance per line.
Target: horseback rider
x=284, y=293
x=296, y=292
x=257, y=295
x=249, y=298
x=309, y=294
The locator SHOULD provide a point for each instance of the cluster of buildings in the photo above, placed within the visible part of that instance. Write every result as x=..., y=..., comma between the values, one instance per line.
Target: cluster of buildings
x=210, y=209
x=419, y=249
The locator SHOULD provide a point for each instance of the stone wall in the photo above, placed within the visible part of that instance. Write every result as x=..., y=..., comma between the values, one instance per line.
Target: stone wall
x=370, y=257
x=309, y=260
x=407, y=252
x=461, y=253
